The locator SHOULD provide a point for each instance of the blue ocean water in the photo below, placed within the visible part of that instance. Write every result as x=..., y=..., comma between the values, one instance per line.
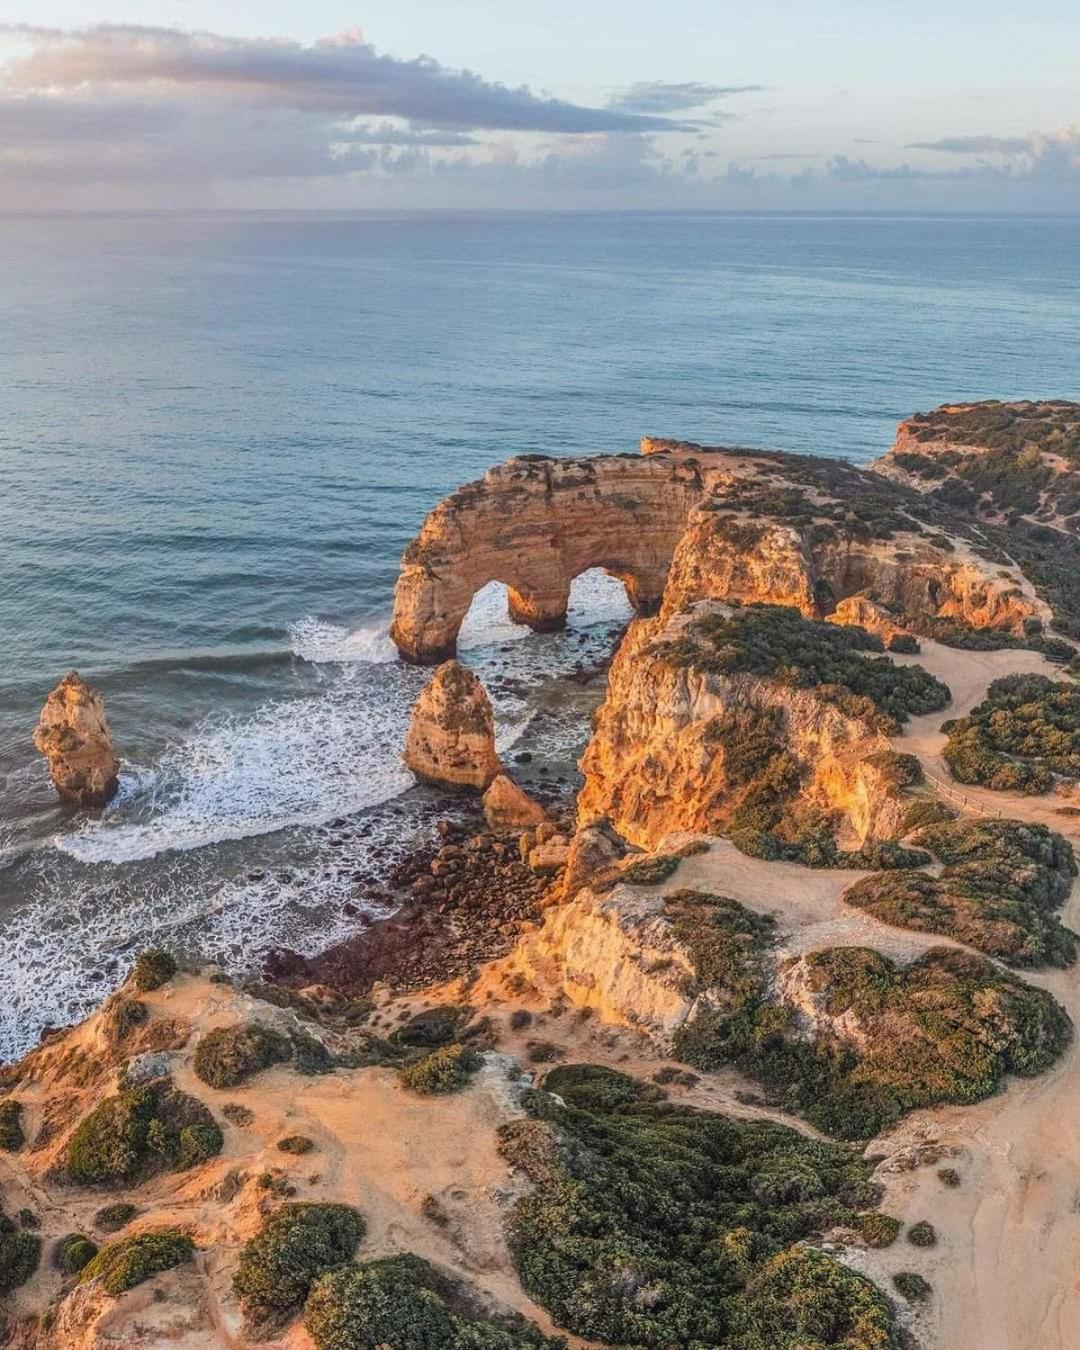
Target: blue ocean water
x=220, y=430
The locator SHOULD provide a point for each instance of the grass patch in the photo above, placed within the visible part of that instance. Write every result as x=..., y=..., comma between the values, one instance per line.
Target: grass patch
x=229, y=1056
x=111, y=1218
x=296, y=1144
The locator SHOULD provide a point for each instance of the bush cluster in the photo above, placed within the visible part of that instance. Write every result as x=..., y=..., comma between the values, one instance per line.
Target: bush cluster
x=153, y=968
x=403, y=1302
x=945, y=1028
x=447, y=1069
x=431, y=1028
x=139, y=1131
x=124, y=1264
x=295, y=1245
x=12, y=1136
x=229, y=1056
x=654, y=1225
x=73, y=1252
x=778, y=643
x=20, y=1253
x=911, y=1286
x=1024, y=732
x=999, y=891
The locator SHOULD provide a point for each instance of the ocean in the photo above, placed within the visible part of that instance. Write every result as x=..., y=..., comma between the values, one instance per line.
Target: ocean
x=219, y=432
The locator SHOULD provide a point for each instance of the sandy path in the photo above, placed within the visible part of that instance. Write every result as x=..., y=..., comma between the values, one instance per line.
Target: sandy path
x=1006, y=1270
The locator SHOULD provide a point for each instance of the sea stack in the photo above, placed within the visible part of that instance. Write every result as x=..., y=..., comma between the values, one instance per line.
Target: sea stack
x=73, y=735
x=451, y=736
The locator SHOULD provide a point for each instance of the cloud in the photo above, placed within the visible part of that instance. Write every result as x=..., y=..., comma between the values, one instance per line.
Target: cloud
x=654, y=97
x=976, y=145
x=342, y=76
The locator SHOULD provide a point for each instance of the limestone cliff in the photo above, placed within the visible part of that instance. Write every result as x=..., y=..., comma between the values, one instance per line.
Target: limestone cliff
x=451, y=736
x=74, y=737
x=657, y=761
x=534, y=524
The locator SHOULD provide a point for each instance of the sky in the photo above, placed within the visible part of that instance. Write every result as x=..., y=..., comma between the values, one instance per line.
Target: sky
x=540, y=104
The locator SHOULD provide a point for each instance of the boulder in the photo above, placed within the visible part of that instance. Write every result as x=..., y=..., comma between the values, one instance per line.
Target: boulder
x=451, y=736
x=550, y=855
x=509, y=807
x=74, y=737
x=593, y=849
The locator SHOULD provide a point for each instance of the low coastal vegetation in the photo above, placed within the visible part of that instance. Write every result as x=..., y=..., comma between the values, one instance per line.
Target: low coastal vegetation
x=1025, y=732
x=153, y=968
x=998, y=891
x=73, y=1252
x=12, y=1136
x=887, y=1038
x=447, y=1069
x=657, y=1225
x=835, y=661
x=20, y=1253
x=129, y=1261
x=228, y=1056
x=295, y=1245
x=140, y=1131
x=404, y=1302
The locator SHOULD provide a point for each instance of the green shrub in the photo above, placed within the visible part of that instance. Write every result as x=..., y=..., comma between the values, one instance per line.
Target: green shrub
x=652, y=871
x=131, y=1260
x=904, y=643
x=153, y=968
x=445, y=1070
x=656, y=1225
x=877, y=1230
x=998, y=891
x=20, y=1253
x=238, y=1115
x=73, y=1252
x=949, y=1176
x=899, y=771
x=431, y=1028
x=925, y=811
x=140, y=1131
x=112, y=1218
x=922, y=1234
x=403, y=1302
x=124, y=1015
x=295, y=1245
x=296, y=1143
x=229, y=1056
x=912, y=1286
x=12, y=1136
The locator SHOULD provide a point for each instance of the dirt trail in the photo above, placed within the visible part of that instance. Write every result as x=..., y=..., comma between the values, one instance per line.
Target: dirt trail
x=1006, y=1270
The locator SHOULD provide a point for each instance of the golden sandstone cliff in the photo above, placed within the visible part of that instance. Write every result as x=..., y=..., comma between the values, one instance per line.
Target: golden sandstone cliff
x=683, y=522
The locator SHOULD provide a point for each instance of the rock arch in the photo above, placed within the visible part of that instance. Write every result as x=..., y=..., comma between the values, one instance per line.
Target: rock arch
x=534, y=524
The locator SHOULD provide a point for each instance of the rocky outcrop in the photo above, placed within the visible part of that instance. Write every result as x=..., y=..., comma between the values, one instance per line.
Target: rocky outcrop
x=74, y=737
x=615, y=953
x=657, y=763
x=994, y=459
x=535, y=524
x=509, y=807
x=828, y=571
x=451, y=736
x=595, y=848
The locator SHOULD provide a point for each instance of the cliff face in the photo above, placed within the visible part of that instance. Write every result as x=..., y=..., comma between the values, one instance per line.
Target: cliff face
x=535, y=524
x=657, y=761
x=821, y=568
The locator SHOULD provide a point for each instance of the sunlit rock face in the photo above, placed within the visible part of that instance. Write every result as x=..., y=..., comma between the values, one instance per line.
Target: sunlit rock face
x=451, y=736
x=509, y=807
x=74, y=737
x=534, y=524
